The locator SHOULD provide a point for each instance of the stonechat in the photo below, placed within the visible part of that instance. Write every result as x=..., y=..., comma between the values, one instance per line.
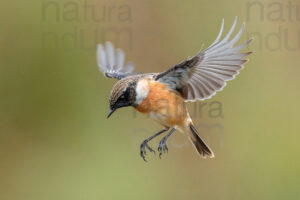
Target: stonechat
x=163, y=96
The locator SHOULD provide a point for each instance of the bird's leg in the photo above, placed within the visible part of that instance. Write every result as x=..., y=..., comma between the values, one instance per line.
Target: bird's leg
x=145, y=144
x=162, y=147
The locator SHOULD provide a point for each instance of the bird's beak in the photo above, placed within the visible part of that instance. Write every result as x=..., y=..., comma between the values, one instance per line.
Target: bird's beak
x=111, y=111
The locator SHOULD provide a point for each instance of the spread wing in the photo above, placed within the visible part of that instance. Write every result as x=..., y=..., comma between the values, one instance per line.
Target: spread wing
x=201, y=76
x=111, y=62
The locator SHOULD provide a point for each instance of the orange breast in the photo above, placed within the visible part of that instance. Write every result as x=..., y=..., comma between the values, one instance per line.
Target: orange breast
x=165, y=106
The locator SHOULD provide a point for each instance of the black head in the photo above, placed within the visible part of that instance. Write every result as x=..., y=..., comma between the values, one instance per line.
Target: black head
x=122, y=95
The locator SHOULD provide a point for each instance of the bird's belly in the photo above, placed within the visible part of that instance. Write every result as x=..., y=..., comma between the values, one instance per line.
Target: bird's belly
x=164, y=106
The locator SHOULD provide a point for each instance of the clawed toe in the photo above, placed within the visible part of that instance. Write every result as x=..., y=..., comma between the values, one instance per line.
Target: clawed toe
x=162, y=147
x=143, y=151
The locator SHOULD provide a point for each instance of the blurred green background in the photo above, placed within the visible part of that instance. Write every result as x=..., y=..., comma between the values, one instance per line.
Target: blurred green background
x=55, y=140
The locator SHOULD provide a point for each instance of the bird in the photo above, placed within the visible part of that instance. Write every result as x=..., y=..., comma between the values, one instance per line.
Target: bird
x=163, y=96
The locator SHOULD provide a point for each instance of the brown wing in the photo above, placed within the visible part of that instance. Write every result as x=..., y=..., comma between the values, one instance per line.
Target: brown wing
x=201, y=76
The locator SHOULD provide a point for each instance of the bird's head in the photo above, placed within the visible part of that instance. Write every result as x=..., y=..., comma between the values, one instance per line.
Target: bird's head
x=122, y=95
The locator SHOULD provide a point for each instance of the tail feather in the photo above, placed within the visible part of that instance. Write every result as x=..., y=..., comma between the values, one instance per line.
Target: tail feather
x=199, y=144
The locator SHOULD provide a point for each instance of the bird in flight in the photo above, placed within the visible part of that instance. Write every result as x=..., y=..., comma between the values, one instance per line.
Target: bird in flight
x=163, y=96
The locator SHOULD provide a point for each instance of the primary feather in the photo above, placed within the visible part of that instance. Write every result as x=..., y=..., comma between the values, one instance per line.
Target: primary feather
x=206, y=73
x=111, y=62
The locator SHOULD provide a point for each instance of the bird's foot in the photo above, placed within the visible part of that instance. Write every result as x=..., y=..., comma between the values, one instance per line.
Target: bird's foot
x=162, y=147
x=143, y=147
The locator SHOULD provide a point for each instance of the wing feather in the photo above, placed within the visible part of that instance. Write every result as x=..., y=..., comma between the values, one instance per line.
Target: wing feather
x=111, y=62
x=206, y=73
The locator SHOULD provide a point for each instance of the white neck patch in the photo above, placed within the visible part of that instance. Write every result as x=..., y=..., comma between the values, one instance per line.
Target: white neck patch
x=142, y=90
